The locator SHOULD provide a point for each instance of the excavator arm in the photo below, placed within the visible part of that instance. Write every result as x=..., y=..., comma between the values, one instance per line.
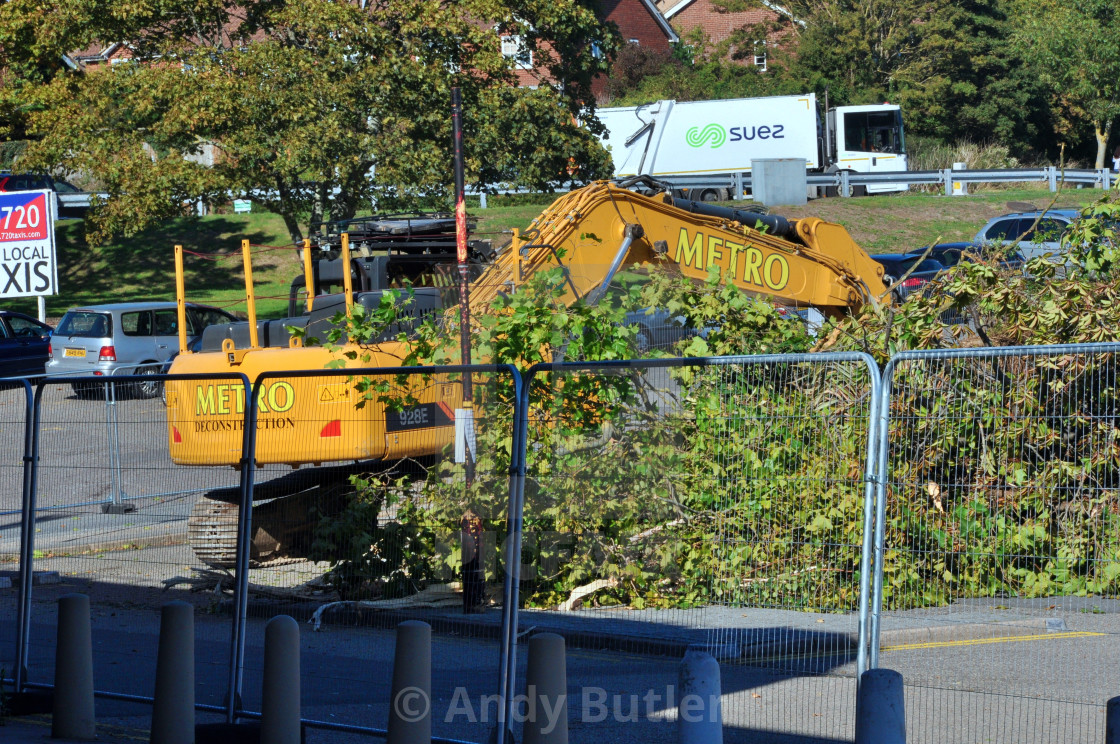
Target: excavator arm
x=594, y=231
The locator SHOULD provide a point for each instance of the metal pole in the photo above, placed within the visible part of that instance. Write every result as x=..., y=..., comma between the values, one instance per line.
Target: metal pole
x=244, y=540
x=115, y=449
x=867, y=551
x=308, y=276
x=27, y=531
x=471, y=525
x=507, y=668
x=250, y=298
x=181, y=298
x=881, y=473
x=114, y=469
x=347, y=275
x=462, y=257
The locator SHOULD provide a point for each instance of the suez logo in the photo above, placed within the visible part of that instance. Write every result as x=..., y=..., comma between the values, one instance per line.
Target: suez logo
x=714, y=135
x=736, y=259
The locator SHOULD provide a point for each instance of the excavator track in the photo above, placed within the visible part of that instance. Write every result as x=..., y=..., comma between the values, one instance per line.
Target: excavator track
x=285, y=513
x=212, y=532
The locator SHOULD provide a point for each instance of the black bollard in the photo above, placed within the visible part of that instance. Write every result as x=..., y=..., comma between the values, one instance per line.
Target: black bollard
x=880, y=710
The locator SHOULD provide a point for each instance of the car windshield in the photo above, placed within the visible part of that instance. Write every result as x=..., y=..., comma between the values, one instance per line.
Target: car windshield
x=85, y=324
x=899, y=266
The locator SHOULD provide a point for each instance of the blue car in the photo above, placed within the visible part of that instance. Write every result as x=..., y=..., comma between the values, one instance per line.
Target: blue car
x=24, y=344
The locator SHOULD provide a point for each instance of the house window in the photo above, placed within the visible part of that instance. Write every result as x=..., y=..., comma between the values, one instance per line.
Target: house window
x=597, y=50
x=513, y=48
x=635, y=42
x=760, y=55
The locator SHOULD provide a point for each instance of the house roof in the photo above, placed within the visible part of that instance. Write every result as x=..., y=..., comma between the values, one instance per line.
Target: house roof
x=661, y=21
x=780, y=10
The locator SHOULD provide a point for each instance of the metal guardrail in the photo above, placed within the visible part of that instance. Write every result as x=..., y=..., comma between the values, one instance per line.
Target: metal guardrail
x=738, y=184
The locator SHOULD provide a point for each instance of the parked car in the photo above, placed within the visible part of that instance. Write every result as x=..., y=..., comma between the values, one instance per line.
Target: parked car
x=1034, y=240
x=658, y=329
x=896, y=266
x=124, y=338
x=24, y=344
x=68, y=205
x=951, y=254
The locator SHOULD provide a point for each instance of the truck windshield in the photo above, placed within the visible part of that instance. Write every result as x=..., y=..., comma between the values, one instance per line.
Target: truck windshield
x=874, y=131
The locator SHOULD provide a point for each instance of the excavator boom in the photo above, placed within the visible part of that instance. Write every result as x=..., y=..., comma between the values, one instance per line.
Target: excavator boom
x=593, y=232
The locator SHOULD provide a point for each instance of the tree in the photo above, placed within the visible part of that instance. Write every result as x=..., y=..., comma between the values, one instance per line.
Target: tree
x=852, y=46
x=312, y=107
x=1075, y=48
x=966, y=80
x=949, y=64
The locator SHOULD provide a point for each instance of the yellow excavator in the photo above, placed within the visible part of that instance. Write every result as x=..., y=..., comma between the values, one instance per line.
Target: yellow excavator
x=591, y=233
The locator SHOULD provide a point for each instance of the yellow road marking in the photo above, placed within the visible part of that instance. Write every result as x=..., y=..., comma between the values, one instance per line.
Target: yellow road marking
x=983, y=641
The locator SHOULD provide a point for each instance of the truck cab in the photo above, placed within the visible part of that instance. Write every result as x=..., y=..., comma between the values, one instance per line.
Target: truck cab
x=868, y=139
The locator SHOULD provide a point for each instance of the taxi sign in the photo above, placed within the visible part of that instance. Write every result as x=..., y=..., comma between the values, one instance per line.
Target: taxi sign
x=27, y=253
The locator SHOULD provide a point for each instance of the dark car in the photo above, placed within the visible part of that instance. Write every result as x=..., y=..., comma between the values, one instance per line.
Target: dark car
x=896, y=267
x=73, y=202
x=951, y=254
x=659, y=329
x=24, y=344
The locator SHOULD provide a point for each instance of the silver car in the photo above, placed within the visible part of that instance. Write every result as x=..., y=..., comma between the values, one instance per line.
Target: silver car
x=124, y=338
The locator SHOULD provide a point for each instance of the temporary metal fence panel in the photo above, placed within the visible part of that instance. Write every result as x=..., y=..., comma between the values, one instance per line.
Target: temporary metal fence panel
x=999, y=542
x=720, y=504
x=15, y=411
x=110, y=516
x=397, y=469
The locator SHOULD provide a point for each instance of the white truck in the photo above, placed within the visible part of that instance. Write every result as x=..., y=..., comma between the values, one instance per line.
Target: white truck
x=684, y=142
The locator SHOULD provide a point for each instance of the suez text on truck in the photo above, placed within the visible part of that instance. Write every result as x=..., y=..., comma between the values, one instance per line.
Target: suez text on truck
x=668, y=139
x=306, y=417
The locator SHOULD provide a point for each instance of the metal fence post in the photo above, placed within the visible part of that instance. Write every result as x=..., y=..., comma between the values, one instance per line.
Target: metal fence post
x=881, y=433
x=739, y=196
x=507, y=664
x=845, y=187
x=869, y=554
x=27, y=530
x=116, y=480
x=947, y=180
x=1052, y=175
x=244, y=540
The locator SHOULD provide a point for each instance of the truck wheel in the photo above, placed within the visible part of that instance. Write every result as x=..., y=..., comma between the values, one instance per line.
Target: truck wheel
x=711, y=195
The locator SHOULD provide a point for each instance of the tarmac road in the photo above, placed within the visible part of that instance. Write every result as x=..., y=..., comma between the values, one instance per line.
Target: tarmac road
x=1037, y=684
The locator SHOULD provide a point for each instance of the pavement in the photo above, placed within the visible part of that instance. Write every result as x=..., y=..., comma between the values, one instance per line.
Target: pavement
x=36, y=729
